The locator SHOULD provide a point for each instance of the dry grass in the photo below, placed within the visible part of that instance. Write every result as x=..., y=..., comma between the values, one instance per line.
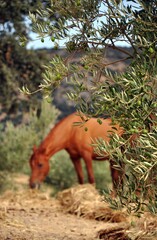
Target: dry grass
x=115, y=232
x=144, y=228
x=27, y=199
x=85, y=201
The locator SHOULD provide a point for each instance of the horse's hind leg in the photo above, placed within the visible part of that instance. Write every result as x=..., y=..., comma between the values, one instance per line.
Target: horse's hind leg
x=78, y=167
x=117, y=177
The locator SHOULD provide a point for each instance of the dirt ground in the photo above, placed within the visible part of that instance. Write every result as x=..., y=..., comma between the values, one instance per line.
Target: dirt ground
x=76, y=214
x=44, y=222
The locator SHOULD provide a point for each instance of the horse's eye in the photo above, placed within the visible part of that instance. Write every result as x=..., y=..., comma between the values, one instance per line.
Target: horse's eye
x=40, y=165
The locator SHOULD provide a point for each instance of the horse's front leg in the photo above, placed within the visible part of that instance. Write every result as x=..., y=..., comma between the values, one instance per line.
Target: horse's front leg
x=89, y=167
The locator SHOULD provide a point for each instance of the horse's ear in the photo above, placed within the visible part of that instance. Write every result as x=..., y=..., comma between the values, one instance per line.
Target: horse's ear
x=34, y=148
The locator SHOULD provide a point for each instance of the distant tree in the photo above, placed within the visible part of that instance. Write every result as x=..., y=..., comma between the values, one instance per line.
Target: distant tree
x=18, y=65
x=129, y=98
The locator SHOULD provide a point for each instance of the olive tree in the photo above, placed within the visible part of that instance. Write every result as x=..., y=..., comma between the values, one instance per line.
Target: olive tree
x=130, y=98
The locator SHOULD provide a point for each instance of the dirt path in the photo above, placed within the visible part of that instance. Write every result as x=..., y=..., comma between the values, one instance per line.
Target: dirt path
x=32, y=215
x=47, y=224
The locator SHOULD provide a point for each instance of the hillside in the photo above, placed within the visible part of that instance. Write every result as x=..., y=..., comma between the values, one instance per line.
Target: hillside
x=21, y=103
x=60, y=99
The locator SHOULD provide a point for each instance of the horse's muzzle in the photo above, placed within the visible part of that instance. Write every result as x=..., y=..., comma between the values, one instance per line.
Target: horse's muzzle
x=34, y=185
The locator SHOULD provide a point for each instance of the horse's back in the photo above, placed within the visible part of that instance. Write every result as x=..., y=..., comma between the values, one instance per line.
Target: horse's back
x=83, y=135
x=103, y=129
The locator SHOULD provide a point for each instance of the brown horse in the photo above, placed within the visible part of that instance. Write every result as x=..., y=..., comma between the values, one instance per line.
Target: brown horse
x=77, y=142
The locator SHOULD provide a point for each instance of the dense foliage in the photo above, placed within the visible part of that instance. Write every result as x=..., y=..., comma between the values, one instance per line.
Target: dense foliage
x=18, y=67
x=129, y=98
x=13, y=15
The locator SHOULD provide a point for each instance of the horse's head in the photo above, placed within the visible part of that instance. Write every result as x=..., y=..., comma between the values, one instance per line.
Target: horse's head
x=40, y=167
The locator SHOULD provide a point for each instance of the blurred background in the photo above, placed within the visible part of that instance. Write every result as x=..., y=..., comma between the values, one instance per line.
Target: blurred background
x=26, y=119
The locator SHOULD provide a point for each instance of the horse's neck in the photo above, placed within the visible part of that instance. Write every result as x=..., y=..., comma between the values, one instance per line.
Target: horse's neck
x=55, y=141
